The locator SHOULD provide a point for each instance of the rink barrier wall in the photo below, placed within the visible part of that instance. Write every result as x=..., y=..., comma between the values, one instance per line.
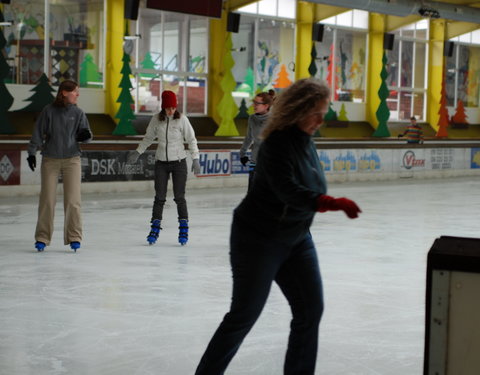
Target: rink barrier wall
x=105, y=168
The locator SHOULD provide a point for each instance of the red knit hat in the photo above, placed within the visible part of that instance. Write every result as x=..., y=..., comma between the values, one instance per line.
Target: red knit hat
x=169, y=99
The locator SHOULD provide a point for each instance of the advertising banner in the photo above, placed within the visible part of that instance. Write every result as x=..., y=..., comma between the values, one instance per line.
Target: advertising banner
x=338, y=161
x=10, y=167
x=371, y=160
x=440, y=158
x=215, y=163
x=100, y=166
x=412, y=159
x=237, y=166
x=103, y=166
x=475, y=158
x=355, y=161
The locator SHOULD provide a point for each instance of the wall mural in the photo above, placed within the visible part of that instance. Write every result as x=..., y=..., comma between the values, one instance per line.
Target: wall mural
x=267, y=62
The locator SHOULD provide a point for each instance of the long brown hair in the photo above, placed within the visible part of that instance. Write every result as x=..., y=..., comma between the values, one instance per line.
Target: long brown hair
x=162, y=116
x=67, y=85
x=294, y=104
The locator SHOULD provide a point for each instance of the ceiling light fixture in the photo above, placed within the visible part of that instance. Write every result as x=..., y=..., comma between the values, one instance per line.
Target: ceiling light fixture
x=428, y=12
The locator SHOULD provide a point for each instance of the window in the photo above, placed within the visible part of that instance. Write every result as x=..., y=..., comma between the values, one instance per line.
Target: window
x=171, y=53
x=352, y=19
x=66, y=45
x=341, y=55
x=463, y=72
x=263, y=51
x=406, y=68
x=275, y=54
x=274, y=8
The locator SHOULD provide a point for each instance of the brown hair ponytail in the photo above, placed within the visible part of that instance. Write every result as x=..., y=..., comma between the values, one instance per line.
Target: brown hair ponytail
x=67, y=85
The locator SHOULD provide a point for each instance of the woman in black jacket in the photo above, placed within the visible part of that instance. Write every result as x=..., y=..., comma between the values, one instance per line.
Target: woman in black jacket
x=270, y=238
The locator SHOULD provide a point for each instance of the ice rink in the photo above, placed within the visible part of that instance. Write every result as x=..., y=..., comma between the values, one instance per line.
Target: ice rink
x=121, y=307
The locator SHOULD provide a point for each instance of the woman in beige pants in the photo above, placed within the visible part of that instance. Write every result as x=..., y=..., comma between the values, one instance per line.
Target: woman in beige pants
x=58, y=131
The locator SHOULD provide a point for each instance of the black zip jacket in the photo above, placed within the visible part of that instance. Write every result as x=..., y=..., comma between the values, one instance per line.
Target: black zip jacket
x=56, y=130
x=288, y=179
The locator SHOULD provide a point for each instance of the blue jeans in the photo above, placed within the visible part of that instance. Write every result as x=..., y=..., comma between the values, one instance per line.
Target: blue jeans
x=256, y=262
x=163, y=170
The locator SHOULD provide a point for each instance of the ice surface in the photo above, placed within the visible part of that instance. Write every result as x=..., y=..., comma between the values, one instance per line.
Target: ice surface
x=121, y=307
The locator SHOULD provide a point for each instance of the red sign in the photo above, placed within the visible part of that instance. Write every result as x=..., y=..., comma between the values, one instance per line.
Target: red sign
x=410, y=161
x=209, y=8
x=9, y=167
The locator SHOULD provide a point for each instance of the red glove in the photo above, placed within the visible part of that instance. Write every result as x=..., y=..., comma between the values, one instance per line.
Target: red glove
x=328, y=203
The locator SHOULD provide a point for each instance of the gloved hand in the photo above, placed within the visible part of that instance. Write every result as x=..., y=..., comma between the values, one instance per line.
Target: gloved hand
x=133, y=157
x=32, y=162
x=328, y=203
x=83, y=135
x=244, y=160
x=195, y=166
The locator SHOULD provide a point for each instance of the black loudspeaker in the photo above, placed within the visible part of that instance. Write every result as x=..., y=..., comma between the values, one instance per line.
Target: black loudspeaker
x=388, y=40
x=131, y=9
x=317, y=32
x=448, y=48
x=233, y=22
x=452, y=306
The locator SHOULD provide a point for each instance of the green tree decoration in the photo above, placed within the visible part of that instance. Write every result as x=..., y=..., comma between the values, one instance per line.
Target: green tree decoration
x=383, y=113
x=125, y=113
x=342, y=115
x=227, y=109
x=443, y=111
x=89, y=72
x=248, y=83
x=6, y=99
x=250, y=80
x=42, y=96
x=331, y=115
x=243, y=110
x=148, y=63
x=312, y=68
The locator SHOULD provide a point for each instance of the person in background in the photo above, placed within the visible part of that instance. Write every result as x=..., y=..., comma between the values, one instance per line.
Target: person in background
x=172, y=130
x=57, y=133
x=413, y=133
x=256, y=122
x=271, y=92
x=270, y=234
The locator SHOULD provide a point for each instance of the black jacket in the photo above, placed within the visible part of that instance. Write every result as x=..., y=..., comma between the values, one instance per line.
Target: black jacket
x=56, y=131
x=288, y=179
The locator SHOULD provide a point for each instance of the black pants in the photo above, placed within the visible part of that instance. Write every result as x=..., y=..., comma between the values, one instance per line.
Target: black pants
x=256, y=263
x=251, y=174
x=178, y=170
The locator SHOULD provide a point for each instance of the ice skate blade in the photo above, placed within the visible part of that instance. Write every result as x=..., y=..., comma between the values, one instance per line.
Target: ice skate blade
x=75, y=246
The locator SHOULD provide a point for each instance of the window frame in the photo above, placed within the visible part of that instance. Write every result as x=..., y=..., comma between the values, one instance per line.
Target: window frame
x=160, y=74
x=410, y=90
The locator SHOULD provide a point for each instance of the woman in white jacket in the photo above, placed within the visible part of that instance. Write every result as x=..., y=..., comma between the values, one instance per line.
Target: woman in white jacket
x=172, y=130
